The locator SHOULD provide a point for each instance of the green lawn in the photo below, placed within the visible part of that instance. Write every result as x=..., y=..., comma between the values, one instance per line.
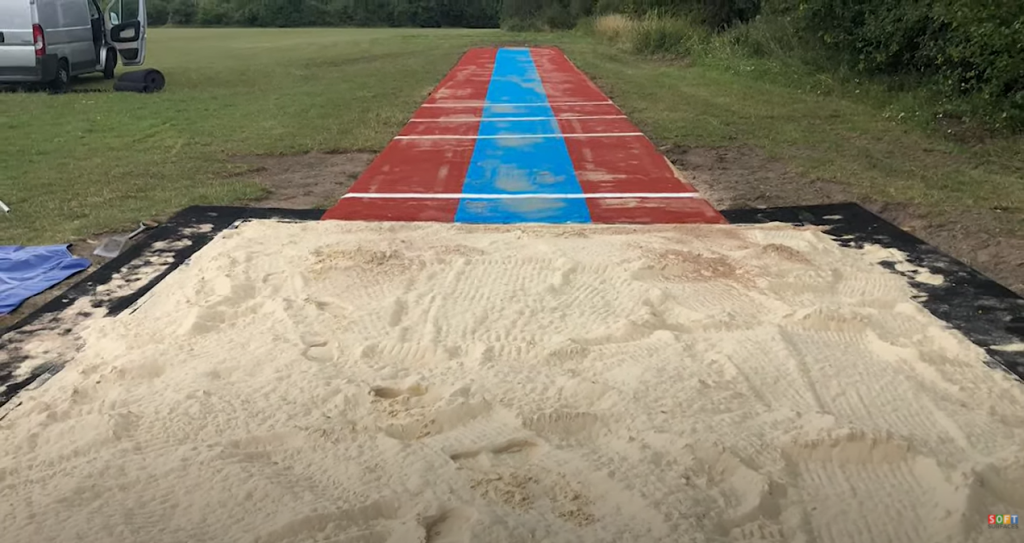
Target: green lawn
x=86, y=163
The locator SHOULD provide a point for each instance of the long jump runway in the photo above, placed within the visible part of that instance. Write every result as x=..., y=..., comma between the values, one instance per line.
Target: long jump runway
x=517, y=135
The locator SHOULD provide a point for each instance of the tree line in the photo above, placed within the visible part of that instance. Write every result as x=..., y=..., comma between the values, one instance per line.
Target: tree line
x=309, y=13
x=966, y=48
x=551, y=14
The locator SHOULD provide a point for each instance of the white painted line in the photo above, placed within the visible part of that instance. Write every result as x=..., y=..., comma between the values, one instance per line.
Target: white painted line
x=484, y=104
x=605, y=102
x=516, y=196
x=520, y=136
x=500, y=119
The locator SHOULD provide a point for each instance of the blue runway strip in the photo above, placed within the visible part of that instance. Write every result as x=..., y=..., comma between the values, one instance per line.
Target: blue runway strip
x=520, y=165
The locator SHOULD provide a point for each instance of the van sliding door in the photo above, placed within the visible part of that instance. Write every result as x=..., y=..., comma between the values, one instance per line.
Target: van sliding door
x=127, y=20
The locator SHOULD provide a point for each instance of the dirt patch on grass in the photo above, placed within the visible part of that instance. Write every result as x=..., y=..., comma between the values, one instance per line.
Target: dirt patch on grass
x=743, y=177
x=314, y=180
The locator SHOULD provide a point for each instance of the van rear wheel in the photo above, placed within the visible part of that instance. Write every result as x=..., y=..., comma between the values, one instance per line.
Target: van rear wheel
x=109, y=64
x=62, y=80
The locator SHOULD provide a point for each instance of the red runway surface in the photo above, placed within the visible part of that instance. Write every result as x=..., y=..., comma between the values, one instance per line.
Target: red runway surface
x=492, y=124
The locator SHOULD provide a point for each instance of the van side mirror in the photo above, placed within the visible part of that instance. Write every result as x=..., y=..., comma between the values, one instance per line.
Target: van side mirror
x=126, y=32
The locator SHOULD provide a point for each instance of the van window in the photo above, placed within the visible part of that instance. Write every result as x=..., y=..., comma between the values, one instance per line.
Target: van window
x=94, y=12
x=129, y=11
x=113, y=10
x=124, y=12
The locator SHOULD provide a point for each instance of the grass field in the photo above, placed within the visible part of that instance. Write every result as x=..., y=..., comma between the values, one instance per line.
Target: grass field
x=80, y=164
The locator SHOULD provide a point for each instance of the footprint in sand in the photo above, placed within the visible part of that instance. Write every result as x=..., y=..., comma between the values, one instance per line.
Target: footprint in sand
x=317, y=349
x=514, y=452
x=397, y=312
x=503, y=459
x=913, y=497
x=451, y=526
x=565, y=425
x=381, y=521
x=513, y=474
x=374, y=522
x=391, y=393
x=416, y=412
x=435, y=422
x=753, y=501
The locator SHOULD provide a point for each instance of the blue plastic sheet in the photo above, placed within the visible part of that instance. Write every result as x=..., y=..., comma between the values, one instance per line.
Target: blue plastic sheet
x=27, y=271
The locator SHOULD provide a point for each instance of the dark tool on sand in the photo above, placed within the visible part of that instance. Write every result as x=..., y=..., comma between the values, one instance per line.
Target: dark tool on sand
x=113, y=245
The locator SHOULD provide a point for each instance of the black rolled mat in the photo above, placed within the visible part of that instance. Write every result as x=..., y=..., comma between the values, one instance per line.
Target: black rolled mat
x=145, y=81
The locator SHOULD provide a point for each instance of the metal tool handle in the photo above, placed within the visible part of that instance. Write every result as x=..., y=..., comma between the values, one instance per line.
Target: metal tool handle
x=137, y=231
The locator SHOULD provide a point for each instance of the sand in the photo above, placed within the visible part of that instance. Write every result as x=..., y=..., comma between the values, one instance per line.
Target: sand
x=372, y=383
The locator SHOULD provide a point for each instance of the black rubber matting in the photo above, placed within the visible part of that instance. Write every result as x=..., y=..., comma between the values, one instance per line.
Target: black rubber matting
x=986, y=312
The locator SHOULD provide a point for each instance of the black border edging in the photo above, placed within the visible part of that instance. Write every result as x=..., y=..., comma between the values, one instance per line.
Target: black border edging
x=988, y=313
x=197, y=224
x=984, y=311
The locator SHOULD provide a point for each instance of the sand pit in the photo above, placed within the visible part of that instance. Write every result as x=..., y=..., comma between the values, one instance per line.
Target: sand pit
x=436, y=383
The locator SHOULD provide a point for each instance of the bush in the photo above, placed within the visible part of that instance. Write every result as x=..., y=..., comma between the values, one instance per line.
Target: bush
x=981, y=52
x=721, y=14
x=533, y=15
x=769, y=37
x=156, y=13
x=416, y=13
x=716, y=14
x=213, y=14
x=520, y=25
x=655, y=33
x=181, y=12
x=970, y=48
x=780, y=7
x=613, y=28
x=580, y=9
x=517, y=15
x=652, y=34
x=608, y=7
x=556, y=16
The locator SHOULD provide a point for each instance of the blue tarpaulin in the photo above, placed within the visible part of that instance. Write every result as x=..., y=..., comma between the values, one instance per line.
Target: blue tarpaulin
x=27, y=271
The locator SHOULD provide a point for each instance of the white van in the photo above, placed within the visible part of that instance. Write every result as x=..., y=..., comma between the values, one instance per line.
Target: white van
x=50, y=41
